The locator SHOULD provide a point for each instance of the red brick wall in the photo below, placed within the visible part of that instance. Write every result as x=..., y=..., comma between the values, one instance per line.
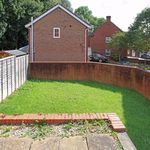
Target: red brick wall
x=127, y=77
x=97, y=41
x=70, y=46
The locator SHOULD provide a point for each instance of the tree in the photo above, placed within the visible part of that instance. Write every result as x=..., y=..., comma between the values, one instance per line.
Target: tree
x=15, y=14
x=139, y=31
x=119, y=43
x=86, y=14
x=3, y=24
x=96, y=22
x=50, y=3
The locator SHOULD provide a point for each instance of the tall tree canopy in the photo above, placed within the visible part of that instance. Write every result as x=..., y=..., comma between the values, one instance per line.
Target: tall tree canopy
x=50, y=3
x=14, y=14
x=2, y=20
x=119, y=43
x=85, y=13
x=139, y=31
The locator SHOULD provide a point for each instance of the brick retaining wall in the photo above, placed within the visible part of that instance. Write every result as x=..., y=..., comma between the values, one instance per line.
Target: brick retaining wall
x=122, y=76
x=116, y=123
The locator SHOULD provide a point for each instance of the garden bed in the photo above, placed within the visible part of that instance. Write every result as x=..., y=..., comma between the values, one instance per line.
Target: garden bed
x=40, y=131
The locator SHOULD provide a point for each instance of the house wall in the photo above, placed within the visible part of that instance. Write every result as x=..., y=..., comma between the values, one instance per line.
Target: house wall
x=97, y=40
x=131, y=54
x=71, y=44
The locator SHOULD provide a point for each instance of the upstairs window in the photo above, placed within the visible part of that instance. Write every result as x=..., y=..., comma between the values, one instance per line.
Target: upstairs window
x=56, y=32
x=107, y=39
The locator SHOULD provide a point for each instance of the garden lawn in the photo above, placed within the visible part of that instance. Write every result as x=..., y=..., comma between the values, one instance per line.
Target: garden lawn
x=81, y=97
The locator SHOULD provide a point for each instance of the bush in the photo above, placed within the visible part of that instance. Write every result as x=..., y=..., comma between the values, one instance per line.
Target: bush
x=115, y=56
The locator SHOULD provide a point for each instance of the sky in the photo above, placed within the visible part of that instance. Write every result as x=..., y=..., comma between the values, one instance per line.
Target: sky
x=122, y=12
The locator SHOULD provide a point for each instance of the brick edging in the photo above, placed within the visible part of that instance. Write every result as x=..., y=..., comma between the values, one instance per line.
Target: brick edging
x=116, y=123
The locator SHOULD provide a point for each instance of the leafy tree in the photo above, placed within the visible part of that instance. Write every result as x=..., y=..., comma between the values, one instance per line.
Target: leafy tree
x=119, y=43
x=17, y=14
x=3, y=24
x=50, y=3
x=139, y=31
x=96, y=22
x=85, y=13
x=14, y=14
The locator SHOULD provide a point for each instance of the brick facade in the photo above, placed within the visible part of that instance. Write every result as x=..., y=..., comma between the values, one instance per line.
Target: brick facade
x=97, y=40
x=72, y=44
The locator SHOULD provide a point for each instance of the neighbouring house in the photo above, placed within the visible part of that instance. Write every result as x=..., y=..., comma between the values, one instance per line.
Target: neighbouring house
x=98, y=41
x=58, y=35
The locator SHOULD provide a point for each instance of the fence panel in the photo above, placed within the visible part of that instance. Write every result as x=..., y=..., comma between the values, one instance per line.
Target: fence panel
x=13, y=73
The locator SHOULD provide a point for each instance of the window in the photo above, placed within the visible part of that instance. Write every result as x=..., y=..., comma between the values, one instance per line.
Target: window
x=56, y=32
x=107, y=39
x=141, y=53
x=107, y=52
x=128, y=52
x=133, y=53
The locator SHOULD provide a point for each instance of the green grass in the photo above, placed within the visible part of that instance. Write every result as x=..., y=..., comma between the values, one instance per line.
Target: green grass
x=80, y=97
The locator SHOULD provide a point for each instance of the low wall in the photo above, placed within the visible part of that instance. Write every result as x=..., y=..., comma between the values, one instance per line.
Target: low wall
x=138, y=60
x=122, y=76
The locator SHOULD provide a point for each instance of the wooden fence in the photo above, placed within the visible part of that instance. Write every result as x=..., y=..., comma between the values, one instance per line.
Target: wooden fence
x=127, y=77
x=13, y=73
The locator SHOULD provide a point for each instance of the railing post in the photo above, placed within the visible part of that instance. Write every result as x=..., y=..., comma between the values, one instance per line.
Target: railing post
x=15, y=85
x=7, y=75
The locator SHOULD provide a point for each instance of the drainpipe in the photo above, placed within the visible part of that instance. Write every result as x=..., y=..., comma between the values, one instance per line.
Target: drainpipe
x=32, y=38
x=86, y=53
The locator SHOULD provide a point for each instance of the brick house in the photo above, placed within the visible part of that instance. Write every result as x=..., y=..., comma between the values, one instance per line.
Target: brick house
x=58, y=35
x=98, y=41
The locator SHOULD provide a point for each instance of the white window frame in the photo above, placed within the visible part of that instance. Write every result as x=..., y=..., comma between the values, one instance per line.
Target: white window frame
x=128, y=52
x=54, y=36
x=107, y=39
x=133, y=53
x=108, y=52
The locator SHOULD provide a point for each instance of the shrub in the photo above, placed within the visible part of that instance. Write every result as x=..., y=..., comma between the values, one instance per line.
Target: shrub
x=115, y=56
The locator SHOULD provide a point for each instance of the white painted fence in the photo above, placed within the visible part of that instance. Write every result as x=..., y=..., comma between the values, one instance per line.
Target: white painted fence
x=13, y=73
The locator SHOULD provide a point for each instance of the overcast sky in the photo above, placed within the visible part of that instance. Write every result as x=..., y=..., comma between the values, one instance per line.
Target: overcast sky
x=122, y=12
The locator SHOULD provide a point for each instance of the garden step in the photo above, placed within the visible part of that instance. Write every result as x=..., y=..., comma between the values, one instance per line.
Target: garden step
x=73, y=143
x=49, y=143
x=100, y=142
x=15, y=143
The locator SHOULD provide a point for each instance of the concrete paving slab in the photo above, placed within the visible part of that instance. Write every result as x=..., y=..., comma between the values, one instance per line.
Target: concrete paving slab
x=47, y=144
x=100, y=142
x=126, y=141
x=15, y=143
x=73, y=143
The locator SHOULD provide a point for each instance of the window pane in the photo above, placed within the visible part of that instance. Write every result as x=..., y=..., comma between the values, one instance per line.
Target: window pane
x=56, y=33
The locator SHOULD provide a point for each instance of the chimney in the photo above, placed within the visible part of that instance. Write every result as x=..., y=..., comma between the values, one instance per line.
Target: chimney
x=108, y=18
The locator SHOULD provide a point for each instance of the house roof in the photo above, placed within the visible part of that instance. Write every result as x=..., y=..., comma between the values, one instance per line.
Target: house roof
x=64, y=9
x=24, y=49
x=103, y=25
x=17, y=53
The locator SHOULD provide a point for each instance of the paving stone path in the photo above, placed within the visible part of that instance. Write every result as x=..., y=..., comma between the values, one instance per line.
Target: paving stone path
x=91, y=142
